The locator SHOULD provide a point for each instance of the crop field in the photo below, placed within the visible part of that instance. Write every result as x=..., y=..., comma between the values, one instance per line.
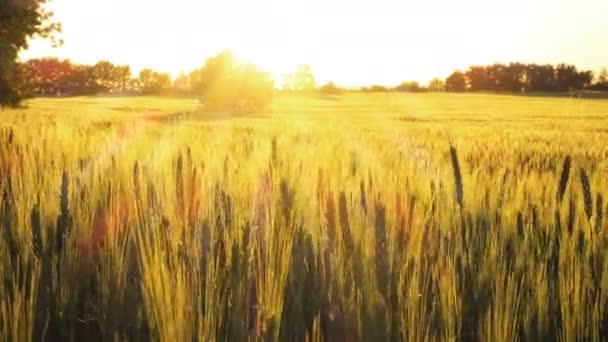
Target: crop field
x=361, y=217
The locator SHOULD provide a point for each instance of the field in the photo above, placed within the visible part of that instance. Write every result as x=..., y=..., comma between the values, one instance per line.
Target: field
x=363, y=217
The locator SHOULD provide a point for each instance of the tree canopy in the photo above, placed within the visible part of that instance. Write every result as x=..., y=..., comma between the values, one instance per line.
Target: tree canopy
x=19, y=21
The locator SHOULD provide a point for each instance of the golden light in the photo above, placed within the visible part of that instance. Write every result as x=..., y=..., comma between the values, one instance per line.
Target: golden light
x=350, y=42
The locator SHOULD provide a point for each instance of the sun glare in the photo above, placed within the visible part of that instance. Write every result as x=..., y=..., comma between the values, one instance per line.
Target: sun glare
x=352, y=43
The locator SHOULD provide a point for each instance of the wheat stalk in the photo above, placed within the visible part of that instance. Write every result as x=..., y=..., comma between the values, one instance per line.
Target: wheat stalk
x=587, y=196
x=563, y=179
x=457, y=176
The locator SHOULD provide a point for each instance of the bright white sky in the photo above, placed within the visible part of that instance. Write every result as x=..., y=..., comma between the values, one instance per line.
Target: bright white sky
x=350, y=42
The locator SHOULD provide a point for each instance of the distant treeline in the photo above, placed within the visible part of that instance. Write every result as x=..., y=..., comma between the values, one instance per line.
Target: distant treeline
x=513, y=77
x=520, y=77
x=54, y=77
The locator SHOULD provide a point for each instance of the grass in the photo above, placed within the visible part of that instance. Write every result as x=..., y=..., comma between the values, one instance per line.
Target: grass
x=361, y=217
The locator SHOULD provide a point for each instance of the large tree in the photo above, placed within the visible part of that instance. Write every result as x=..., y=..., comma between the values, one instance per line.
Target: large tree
x=540, y=77
x=478, y=78
x=19, y=21
x=456, y=81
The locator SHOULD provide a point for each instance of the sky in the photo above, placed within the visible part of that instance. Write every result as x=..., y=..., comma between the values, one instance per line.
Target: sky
x=352, y=43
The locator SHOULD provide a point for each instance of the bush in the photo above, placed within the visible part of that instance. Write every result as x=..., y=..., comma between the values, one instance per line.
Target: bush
x=330, y=89
x=412, y=87
x=375, y=89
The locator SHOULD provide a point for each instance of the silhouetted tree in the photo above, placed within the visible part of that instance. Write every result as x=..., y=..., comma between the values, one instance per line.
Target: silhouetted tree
x=511, y=77
x=566, y=77
x=478, y=79
x=603, y=76
x=456, y=81
x=601, y=82
x=19, y=21
x=540, y=77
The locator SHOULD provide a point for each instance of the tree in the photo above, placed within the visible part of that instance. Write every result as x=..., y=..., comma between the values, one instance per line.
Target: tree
x=122, y=76
x=225, y=84
x=478, y=78
x=19, y=21
x=540, y=77
x=583, y=80
x=49, y=76
x=602, y=77
x=436, y=85
x=601, y=82
x=456, y=81
x=183, y=84
x=303, y=79
x=565, y=77
x=152, y=82
x=109, y=77
x=511, y=77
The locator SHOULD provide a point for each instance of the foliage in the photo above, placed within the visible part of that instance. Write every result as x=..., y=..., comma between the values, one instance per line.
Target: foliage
x=19, y=21
x=517, y=77
x=456, y=82
x=436, y=85
x=153, y=82
x=411, y=87
x=52, y=77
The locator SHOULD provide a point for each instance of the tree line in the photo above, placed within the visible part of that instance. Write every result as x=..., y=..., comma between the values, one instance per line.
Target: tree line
x=521, y=77
x=53, y=77
x=221, y=81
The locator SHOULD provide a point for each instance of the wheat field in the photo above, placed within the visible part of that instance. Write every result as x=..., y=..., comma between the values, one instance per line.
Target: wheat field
x=362, y=217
